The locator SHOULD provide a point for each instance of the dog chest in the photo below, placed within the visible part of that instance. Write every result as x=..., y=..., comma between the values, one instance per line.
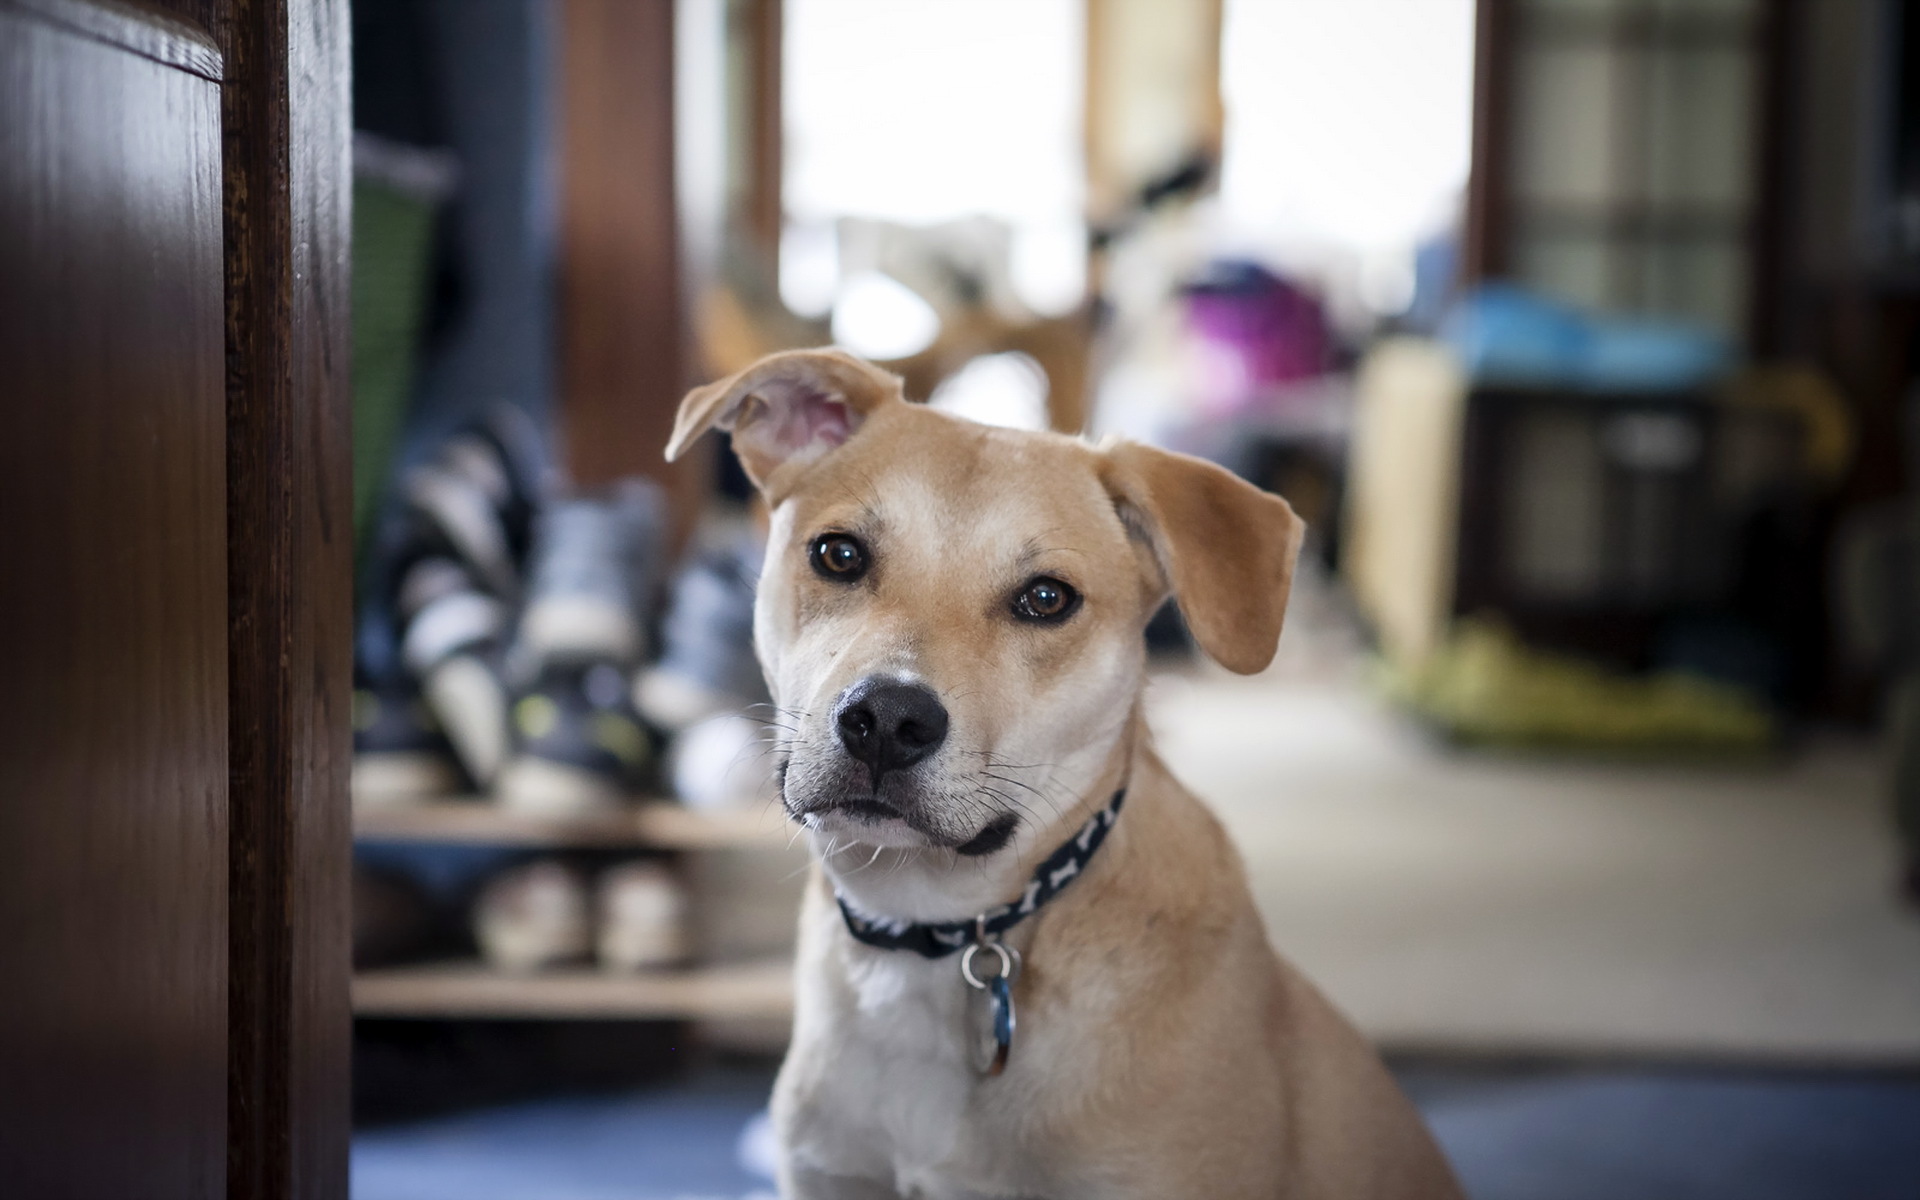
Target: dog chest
x=890, y=1086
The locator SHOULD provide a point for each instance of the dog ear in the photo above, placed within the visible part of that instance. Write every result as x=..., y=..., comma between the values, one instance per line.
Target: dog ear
x=1226, y=549
x=786, y=410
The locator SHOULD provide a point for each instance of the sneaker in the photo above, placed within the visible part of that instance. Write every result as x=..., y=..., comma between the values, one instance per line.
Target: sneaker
x=594, y=568
x=480, y=493
x=707, y=665
x=642, y=917
x=455, y=633
x=400, y=755
x=532, y=916
x=579, y=747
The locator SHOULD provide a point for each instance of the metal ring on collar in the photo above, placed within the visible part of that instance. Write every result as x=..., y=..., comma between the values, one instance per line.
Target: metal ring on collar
x=1009, y=963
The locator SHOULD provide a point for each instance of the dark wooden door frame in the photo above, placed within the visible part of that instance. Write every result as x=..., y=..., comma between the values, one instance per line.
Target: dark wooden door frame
x=281, y=67
x=286, y=112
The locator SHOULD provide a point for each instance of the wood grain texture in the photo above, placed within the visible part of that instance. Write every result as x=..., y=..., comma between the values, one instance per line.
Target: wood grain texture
x=208, y=16
x=289, y=562
x=175, y=36
x=623, y=330
x=113, y=721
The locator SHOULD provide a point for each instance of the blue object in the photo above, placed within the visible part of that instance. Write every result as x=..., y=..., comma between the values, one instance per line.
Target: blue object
x=1508, y=335
x=1002, y=993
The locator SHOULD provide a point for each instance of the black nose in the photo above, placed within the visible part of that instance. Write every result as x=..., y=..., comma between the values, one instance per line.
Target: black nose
x=888, y=725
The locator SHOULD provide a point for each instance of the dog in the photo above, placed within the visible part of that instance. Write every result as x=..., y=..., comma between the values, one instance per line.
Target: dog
x=1029, y=962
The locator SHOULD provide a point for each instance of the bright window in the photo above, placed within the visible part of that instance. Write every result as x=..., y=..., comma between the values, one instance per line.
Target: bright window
x=1348, y=135
x=929, y=111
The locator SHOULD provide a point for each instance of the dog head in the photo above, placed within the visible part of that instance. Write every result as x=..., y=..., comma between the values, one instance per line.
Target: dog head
x=950, y=616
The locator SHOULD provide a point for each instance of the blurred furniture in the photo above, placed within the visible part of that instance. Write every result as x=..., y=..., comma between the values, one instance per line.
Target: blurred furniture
x=1880, y=605
x=1620, y=152
x=398, y=192
x=1153, y=97
x=1403, y=494
x=741, y=316
x=624, y=335
x=742, y=932
x=1623, y=526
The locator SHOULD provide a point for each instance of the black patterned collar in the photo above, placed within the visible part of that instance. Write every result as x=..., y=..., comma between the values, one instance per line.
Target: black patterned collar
x=939, y=939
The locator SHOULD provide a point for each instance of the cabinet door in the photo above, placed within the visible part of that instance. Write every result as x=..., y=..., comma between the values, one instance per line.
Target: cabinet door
x=113, y=608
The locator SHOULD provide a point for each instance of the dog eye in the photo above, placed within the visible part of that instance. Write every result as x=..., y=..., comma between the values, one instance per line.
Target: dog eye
x=839, y=557
x=1046, y=599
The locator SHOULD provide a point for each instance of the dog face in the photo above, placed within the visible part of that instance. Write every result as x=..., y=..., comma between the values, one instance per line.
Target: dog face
x=950, y=614
x=942, y=615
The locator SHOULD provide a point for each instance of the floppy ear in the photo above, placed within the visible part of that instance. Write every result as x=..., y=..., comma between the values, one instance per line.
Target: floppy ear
x=1225, y=548
x=785, y=411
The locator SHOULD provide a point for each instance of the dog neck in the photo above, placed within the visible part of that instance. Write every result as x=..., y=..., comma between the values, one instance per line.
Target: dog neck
x=935, y=885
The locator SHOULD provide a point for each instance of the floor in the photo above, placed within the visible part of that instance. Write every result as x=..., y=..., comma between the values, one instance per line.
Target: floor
x=1513, y=1133
x=1467, y=902
x=673, y=1143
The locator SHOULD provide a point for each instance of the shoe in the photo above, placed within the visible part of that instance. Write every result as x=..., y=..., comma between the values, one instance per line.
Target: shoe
x=533, y=915
x=400, y=755
x=579, y=747
x=641, y=912
x=480, y=493
x=707, y=665
x=455, y=634
x=594, y=567
x=440, y=580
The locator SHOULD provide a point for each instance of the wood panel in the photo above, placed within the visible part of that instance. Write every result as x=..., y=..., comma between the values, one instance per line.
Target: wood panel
x=207, y=15
x=175, y=36
x=289, y=568
x=1488, y=223
x=766, y=129
x=113, y=720
x=655, y=824
x=623, y=329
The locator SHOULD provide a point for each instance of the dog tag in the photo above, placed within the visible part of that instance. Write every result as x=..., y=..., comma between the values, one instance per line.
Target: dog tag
x=1000, y=1001
x=994, y=1041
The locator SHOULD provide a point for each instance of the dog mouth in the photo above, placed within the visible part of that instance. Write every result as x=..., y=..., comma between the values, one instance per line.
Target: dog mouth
x=862, y=808
x=875, y=810
x=866, y=809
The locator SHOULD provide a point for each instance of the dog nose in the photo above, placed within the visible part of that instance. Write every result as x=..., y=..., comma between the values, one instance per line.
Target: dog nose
x=888, y=724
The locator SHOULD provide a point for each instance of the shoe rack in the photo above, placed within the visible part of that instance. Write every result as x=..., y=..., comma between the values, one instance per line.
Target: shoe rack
x=754, y=990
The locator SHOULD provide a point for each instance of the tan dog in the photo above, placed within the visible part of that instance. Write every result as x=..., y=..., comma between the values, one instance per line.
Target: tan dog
x=950, y=620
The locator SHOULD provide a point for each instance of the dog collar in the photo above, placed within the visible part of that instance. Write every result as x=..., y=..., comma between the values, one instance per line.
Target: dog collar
x=939, y=939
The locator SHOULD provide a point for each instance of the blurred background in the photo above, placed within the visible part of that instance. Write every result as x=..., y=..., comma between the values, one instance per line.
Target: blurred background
x=1582, y=332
